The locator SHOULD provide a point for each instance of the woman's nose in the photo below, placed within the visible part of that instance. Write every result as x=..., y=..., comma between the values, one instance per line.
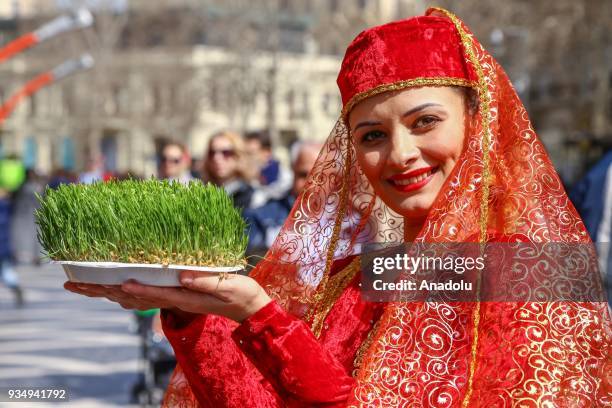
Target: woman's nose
x=403, y=149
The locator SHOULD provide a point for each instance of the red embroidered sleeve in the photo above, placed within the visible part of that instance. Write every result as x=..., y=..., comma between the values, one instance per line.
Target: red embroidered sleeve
x=275, y=361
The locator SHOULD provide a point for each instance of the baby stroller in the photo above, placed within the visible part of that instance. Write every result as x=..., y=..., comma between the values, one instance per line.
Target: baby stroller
x=156, y=360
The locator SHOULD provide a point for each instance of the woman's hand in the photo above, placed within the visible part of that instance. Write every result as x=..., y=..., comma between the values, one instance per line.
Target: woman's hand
x=234, y=296
x=114, y=293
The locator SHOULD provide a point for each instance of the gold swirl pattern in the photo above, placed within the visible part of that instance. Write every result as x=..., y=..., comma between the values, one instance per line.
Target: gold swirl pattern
x=513, y=354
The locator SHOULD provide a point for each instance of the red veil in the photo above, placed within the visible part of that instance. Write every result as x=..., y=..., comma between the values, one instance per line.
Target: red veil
x=445, y=354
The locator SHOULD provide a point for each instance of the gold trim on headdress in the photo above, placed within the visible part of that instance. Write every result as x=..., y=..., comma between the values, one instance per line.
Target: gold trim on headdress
x=396, y=86
x=485, y=114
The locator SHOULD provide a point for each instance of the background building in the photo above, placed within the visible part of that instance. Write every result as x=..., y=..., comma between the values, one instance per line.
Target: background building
x=183, y=69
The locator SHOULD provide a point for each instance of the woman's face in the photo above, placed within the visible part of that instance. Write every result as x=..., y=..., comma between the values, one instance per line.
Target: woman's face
x=407, y=144
x=222, y=160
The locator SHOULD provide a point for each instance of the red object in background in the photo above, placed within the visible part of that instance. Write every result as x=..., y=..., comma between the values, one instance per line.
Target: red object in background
x=15, y=47
x=61, y=71
x=79, y=19
x=28, y=89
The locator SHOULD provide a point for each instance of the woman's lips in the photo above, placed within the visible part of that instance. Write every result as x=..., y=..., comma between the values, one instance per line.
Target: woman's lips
x=413, y=180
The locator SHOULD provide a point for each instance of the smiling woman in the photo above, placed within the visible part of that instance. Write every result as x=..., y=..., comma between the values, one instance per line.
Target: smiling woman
x=407, y=144
x=412, y=158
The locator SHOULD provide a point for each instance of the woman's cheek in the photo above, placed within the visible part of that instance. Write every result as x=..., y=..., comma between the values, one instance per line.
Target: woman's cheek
x=370, y=164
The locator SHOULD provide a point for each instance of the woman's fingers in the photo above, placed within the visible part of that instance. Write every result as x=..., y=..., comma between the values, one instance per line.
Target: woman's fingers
x=90, y=289
x=184, y=299
x=114, y=294
x=230, y=295
x=220, y=285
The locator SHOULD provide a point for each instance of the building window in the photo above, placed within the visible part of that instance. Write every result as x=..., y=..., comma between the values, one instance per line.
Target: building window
x=33, y=105
x=108, y=146
x=67, y=157
x=330, y=104
x=30, y=152
x=333, y=6
x=290, y=98
x=305, y=105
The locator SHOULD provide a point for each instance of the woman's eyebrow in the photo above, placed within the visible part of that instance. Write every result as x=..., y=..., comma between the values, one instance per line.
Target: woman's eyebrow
x=408, y=113
x=420, y=108
x=366, y=123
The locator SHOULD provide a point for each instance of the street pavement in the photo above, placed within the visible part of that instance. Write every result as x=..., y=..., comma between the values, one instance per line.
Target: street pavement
x=62, y=340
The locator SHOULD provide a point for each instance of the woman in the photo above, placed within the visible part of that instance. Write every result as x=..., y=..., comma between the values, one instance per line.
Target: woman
x=224, y=166
x=413, y=158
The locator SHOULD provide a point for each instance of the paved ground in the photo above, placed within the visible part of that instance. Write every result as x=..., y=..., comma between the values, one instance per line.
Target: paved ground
x=62, y=340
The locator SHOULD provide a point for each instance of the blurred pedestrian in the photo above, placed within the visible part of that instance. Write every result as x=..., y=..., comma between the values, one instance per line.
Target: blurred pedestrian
x=197, y=164
x=259, y=148
x=175, y=162
x=26, y=247
x=266, y=221
x=12, y=173
x=274, y=181
x=226, y=166
x=94, y=170
x=61, y=176
x=592, y=197
x=7, y=273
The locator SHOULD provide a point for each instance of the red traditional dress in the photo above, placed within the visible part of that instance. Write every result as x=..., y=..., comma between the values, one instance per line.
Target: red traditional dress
x=319, y=344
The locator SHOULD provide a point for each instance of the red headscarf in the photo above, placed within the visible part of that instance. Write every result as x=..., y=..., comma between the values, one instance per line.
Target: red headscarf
x=443, y=354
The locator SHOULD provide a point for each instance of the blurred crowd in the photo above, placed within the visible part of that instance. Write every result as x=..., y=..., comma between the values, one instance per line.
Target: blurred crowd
x=244, y=165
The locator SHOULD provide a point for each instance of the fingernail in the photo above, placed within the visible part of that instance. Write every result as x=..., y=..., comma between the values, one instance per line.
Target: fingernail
x=186, y=278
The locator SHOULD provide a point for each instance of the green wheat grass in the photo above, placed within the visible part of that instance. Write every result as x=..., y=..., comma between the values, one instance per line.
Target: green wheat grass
x=137, y=221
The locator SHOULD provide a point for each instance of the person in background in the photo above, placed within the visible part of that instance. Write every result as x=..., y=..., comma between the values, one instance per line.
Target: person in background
x=197, y=164
x=95, y=170
x=7, y=273
x=174, y=163
x=225, y=166
x=26, y=248
x=259, y=147
x=61, y=176
x=592, y=197
x=274, y=179
x=266, y=221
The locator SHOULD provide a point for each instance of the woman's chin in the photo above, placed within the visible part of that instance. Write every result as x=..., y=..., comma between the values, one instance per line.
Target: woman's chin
x=416, y=207
x=416, y=211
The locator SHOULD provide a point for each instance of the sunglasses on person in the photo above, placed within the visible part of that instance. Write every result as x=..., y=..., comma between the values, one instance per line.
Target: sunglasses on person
x=226, y=153
x=169, y=159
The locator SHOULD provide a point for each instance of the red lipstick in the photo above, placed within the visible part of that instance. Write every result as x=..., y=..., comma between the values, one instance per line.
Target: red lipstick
x=398, y=181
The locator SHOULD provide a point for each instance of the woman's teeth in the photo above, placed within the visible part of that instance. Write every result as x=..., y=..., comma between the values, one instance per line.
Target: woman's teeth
x=414, y=179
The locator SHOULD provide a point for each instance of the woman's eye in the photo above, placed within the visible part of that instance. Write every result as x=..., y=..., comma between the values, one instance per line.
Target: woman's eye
x=425, y=121
x=372, y=136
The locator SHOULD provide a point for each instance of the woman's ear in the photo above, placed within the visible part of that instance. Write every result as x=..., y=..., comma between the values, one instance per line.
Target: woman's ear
x=471, y=100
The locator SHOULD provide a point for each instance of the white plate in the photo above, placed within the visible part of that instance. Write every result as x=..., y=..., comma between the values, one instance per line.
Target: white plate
x=115, y=273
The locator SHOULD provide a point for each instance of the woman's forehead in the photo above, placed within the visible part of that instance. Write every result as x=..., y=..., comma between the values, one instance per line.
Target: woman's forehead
x=405, y=99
